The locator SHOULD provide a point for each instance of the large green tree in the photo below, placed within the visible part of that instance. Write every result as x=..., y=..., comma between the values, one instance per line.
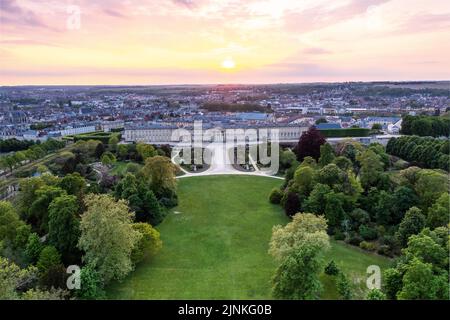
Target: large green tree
x=297, y=277
x=326, y=154
x=107, y=236
x=439, y=213
x=303, y=229
x=74, y=184
x=412, y=223
x=38, y=212
x=371, y=168
x=64, y=226
x=160, y=172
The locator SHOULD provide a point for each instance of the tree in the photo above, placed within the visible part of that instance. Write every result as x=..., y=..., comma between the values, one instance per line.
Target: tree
x=74, y=184
x=304, y=228
x=309, y=162
x=383, y=207
x=4, y=163
x=9, y=222
x=392, y=283
x=99, y=150
x=334, y=211
x=419, y=283
x=48, y=258
x=412, y=223
x=153, y=213
x=275, y=196
x=38, y=212
x=343, y=286
x=122, y=151
x=316, y=201
x=330, y=175
x=309, y=144
x=404, y=198
x=297, y=277
x=292, y=204
x=27, y=194
x=371, y=168
x=112, y=142
x=108, y=158
x=146, y=150
x=304, y=180
x=343, y=163
x=126, y=187
x=63, y=225
x=33, y=248
x=429, y=247
x=141, y=200
x=149, y=244
x=375, y=294
x=326, y=154
x=430, y=185
x=107, y=236
x=331, y=269
x=92, y=284
x=160, y=172
x=12, y=278
x=287, y=159
x=438, y=214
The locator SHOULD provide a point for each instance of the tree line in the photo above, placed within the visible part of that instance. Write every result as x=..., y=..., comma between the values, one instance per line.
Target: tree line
x=13, y=144
x=424, y=126
x=34, y=152
x=425, y=152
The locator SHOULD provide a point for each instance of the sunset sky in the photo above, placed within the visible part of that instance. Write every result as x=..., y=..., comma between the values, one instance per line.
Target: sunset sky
x=222, y=41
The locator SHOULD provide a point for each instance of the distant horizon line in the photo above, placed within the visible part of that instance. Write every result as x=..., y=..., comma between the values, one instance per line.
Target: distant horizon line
x=222, y=84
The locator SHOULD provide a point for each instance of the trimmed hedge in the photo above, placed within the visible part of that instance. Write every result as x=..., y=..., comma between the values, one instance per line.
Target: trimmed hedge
x=101, y=136
x=342, y=133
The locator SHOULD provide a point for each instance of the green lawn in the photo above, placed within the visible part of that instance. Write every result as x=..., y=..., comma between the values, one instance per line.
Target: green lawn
x=215, y=245
x=354, y=262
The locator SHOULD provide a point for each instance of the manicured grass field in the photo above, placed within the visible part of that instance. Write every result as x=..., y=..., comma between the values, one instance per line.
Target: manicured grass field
x=215, y=245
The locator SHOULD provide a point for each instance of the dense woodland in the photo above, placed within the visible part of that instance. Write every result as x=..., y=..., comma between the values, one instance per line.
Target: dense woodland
x=355, y=194
x=74, y=212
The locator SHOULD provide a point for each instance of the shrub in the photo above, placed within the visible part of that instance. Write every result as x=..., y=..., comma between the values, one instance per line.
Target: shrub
x=385, y=250
x=339, y=235
x=376, y=294
x=149, y=244
x=92, y=284
x=369, y=246
x=275, y=196
x=343, y=286
x=368, y=233
x=354, y=239
x=331, y=268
